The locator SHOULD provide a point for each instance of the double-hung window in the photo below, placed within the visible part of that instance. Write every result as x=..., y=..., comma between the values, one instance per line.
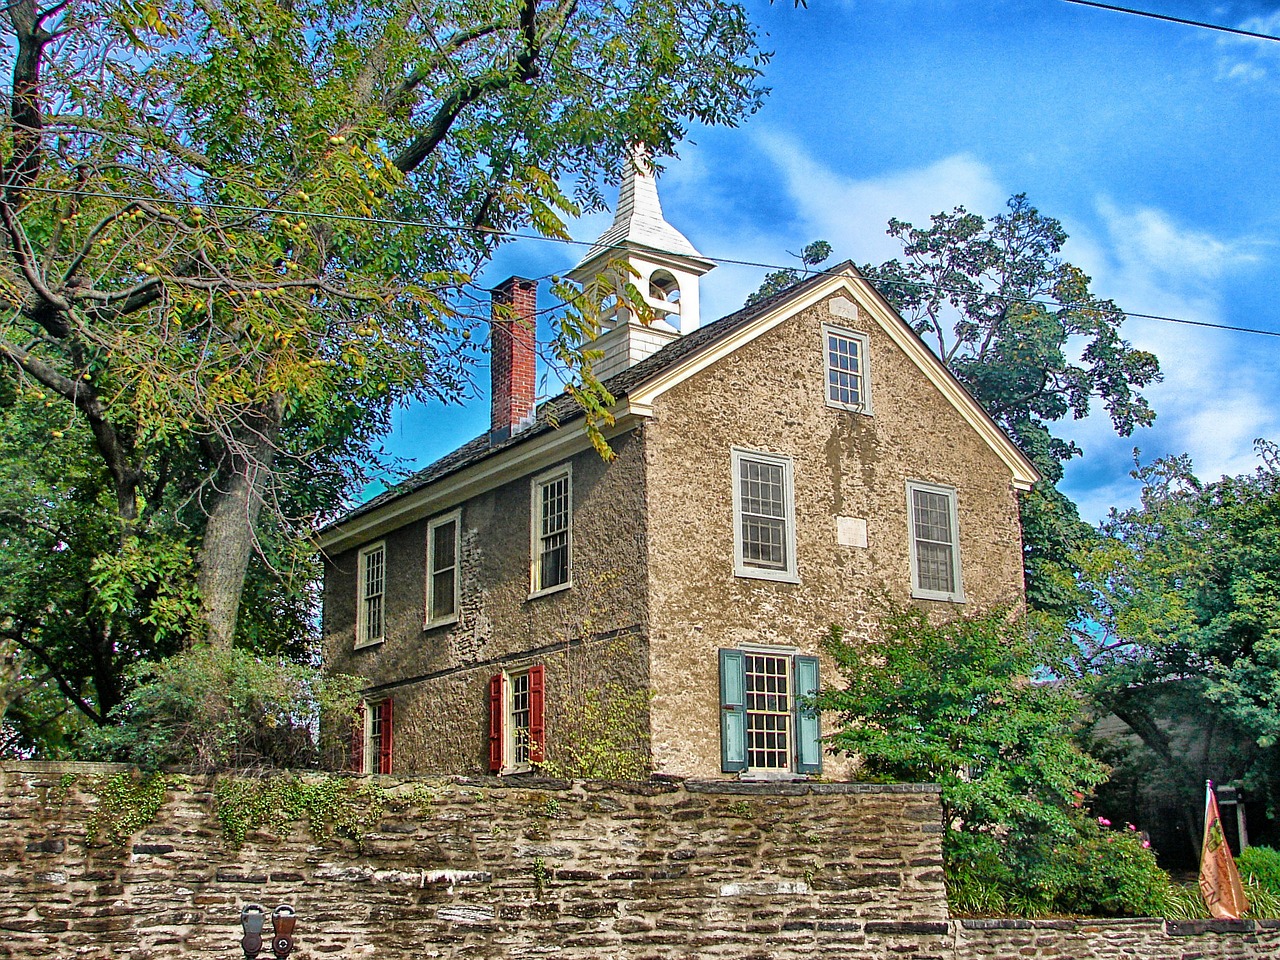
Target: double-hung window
x=517, y=728
x=443, y=540
x=371, y=580
x=372, y=738
x=764, y=528
x=767, y=727
x=552, y=533
x=934, y=533
x=848, y=384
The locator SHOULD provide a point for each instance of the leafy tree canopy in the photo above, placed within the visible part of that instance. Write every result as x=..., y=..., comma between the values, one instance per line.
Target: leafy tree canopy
x=1184, y=625
x=233, y=236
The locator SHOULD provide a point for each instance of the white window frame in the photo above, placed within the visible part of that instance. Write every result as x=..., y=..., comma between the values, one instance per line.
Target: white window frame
x=509, y=736
x=432, y=619
x=789, y=573
x=362, y=625
x=564, y=471
x=864, y=377
x=918, y=592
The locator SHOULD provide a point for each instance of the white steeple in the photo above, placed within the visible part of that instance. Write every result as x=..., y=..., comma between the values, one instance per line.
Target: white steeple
x=665, y=266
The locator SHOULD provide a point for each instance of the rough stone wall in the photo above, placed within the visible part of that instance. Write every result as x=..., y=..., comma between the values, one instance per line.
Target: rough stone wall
x=769, y=396
x=437, y=677
x=490, y=869
x=1143, y=939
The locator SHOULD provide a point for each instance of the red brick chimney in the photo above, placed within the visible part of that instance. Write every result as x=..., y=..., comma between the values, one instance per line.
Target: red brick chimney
x=513, y=356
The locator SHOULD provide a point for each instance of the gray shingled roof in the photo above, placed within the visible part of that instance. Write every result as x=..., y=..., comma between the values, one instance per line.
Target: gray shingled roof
x=563, y=410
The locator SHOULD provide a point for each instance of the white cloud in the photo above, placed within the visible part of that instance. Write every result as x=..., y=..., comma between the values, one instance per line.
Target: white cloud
x=852, y=214
x=1147, y=240
x=1246, y=58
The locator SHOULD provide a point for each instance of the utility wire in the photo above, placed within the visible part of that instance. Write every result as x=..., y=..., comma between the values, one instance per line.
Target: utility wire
x=1202, y=24
x=512, y=235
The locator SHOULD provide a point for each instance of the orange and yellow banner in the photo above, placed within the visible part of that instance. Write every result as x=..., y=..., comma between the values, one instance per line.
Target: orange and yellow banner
x=1219, y=879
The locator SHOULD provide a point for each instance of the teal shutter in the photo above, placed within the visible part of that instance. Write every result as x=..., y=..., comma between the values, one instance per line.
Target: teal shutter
x=733, y=711
x=808, y=732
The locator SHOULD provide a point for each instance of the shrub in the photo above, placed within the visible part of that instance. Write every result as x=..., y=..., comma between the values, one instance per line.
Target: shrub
x=1261, y=865
x=223, y=709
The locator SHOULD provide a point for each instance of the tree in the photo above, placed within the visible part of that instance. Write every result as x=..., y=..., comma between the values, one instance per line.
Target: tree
x=954, y=704
x=1006, y=314
x=233, y=236
x=1183, y=637
x=813, y=255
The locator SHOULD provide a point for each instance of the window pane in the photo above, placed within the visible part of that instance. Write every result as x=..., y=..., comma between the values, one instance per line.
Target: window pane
x=553, y=535
x=443, y=545
x=844, y=370
x=935, y=551
x=768, y=708
x=442, y=594
x=520, y=718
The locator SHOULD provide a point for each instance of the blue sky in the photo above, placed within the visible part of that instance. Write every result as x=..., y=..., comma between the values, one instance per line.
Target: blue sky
x=1157, y=145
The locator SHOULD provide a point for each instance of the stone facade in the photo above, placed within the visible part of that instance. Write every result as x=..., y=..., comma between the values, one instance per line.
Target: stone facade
x=769, y=396
x=653, y=540
x=487, y=868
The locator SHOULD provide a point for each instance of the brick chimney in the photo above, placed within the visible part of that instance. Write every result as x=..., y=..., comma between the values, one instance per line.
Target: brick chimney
x=513, y=356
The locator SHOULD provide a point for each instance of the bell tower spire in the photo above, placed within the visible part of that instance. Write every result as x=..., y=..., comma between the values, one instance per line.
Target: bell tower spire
x=663, y=265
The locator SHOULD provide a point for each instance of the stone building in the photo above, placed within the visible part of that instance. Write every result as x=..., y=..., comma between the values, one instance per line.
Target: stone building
x=782, y=469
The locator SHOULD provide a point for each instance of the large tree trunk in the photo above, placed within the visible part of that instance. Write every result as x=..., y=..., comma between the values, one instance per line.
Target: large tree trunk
x=229, y=535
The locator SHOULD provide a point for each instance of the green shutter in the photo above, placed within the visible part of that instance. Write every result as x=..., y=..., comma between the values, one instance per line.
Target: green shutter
x=808, y=732
x=733, y=712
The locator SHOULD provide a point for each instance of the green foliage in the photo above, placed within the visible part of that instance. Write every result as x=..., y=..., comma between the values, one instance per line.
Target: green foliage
x=601, y=734
x=1260, y=865
x=955, y=704
x=330, y=806
x=1083, y=867
x=814, y=254
x=1022, y=330
x=126, y=802
x=220, y=709
x=1183, y=636
x=240, y=234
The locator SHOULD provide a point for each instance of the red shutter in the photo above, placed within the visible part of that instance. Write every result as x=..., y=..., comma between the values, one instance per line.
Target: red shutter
x=537, y=714
x=355, y=762
x=495, y=723
x=384, y=740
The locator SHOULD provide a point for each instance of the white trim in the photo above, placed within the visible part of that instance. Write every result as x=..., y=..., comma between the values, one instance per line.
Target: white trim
x=957, y=595
x=1024, y=473
x=509, y=766
x=536, y=484
x=790, y=572
x=515, y=463
x=361, y=598
x=455, y=517
x=864, y=374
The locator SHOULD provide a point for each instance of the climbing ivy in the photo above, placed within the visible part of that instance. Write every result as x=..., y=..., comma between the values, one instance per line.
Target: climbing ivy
x=330, y=806
x=127, y=802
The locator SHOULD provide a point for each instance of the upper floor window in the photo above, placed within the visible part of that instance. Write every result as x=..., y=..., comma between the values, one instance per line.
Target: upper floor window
x=764, y=536
x=371, y=579
x=848, y=386
x=935, y=542
x=443, y=540
x=552, y=546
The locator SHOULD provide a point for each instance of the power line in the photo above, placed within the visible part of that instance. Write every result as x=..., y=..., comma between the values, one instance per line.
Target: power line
x=512, y=235
x=1202, y=24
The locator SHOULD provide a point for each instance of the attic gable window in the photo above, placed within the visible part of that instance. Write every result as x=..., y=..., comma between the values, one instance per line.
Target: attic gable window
x=935, y=542
x=763, y=516
x=443, y=536
x=552, y=531
x=848, y=386
x=371, y=580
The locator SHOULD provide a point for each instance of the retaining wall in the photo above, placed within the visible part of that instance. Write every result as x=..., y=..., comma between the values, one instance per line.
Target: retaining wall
x=488, y=869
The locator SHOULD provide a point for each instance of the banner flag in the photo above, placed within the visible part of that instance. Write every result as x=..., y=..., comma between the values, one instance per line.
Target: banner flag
x=1219, y=879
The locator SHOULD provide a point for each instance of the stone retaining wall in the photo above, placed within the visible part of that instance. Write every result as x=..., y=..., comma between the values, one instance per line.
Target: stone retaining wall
x=489, y=869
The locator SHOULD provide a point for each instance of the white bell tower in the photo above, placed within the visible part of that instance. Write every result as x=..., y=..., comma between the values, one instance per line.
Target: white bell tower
x=666, y=270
